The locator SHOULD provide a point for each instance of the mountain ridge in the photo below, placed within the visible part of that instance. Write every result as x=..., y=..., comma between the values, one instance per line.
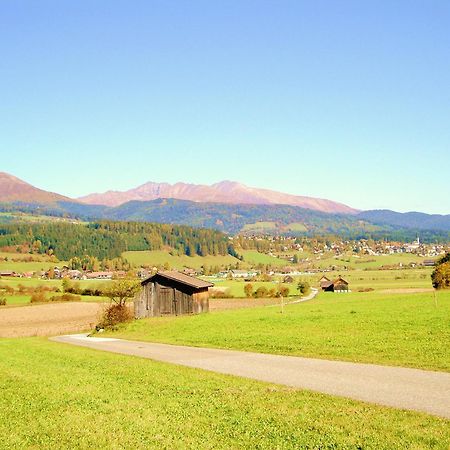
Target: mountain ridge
x=14, y=189
x=230, y=192
x=229, y=217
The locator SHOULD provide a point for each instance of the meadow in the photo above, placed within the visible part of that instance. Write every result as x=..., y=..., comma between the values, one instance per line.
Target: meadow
x=161, y=257
x=24, y=299
x=58, y=396
x=20, y=262
x=407, y=330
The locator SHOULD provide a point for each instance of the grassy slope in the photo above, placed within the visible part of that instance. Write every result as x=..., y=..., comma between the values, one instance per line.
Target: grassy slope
x=402, y=330
x=160, y=257
x=254, y=257
x=57, y=396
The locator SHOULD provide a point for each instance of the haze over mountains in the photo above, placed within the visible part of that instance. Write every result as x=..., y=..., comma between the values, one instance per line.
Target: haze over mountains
x=222, y=192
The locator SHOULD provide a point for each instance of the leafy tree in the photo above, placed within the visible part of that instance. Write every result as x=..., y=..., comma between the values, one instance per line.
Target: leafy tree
x=261, y=292
x=283, y=291
x=248, y=289
x=441, y=274
x=303, y=287
x=123, y=290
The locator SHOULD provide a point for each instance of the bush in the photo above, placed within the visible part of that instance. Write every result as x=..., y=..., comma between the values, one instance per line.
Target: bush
x=38, y=297
x=304, y=287
x=65, y=298
x=115, y=314
x=248, y=289
x=283, y=291
x=221, y=294
x=261, y=292
x=2, y=301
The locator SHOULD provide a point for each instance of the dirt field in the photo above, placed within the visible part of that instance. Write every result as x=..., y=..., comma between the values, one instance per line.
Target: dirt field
x=63, y=318
x=47, y=320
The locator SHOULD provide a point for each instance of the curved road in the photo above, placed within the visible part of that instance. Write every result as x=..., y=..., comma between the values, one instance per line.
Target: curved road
x=414, y=389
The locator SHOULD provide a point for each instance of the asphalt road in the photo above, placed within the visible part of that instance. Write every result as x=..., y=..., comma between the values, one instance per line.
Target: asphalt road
x=412, y=389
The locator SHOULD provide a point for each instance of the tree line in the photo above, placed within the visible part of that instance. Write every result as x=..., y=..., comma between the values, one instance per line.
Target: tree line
x=108, y=240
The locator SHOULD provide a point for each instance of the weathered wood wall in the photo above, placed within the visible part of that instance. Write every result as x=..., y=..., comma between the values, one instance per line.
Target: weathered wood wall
x=156, y=299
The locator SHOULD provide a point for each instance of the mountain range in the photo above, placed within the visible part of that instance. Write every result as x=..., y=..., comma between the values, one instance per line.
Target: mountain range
x=13, y=189
x=227, y=206
x=223, y=192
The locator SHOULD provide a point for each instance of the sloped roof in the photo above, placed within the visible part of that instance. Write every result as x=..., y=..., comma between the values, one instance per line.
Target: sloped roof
x=181, y=278
x=340, y=279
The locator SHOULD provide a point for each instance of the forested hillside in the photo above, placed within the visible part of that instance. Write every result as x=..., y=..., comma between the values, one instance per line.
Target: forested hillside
x=249, y=219
x=107, y=240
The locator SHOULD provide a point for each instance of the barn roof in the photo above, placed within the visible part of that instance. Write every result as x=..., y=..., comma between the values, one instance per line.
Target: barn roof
x=181, y=278
x=340, y=279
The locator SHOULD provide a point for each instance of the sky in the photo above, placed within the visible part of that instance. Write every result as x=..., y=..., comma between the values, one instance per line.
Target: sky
x=345, y=100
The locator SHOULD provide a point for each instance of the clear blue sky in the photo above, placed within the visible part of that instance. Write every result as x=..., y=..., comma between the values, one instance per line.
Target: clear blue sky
x=347, y=100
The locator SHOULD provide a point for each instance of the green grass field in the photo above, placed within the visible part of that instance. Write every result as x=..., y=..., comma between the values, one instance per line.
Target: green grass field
x=235, y=288
x=160, y=257
x=253, y=257
x=58, y=396
x=378, y=280
x=43, y=262
x=383, y=279
x=18, y=299
x=392, y=329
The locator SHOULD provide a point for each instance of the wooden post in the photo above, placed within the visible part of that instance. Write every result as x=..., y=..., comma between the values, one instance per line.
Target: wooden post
x=282, y=305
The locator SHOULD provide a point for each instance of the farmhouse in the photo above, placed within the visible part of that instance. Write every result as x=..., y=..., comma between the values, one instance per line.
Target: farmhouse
x=8, y=273
x=172, y=293
x=338, y=285
x=288, y=279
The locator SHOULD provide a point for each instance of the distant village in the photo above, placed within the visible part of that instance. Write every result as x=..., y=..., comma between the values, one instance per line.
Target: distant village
x=286, y=248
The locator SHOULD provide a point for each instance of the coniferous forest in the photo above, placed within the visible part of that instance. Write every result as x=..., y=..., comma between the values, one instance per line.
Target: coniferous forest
x=107, y=239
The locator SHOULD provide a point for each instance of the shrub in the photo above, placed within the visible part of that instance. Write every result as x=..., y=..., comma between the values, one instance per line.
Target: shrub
x=38, y=297
x=2, y=301
x=261, y=292
x=248, y=289
x=221, y=294
x=283, y=291
x=115, y=314
x=304, y=287
x=65, y=298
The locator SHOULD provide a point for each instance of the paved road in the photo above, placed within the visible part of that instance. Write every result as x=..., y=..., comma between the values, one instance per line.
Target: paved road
x=413, y=389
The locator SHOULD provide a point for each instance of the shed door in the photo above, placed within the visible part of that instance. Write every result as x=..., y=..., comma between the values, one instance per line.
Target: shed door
x=166, y=297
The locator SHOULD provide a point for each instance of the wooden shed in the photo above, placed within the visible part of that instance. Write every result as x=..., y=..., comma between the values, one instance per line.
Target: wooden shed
x=338, y=285
x=172, y=293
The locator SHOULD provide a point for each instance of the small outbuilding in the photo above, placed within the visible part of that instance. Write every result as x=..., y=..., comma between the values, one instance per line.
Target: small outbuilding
x=172, y=293
x=288, y=279
x=338, y=285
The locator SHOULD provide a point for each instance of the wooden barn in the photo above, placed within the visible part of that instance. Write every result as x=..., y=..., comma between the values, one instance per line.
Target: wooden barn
x=324, y=282
x=172, y=293
x=338, y=285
